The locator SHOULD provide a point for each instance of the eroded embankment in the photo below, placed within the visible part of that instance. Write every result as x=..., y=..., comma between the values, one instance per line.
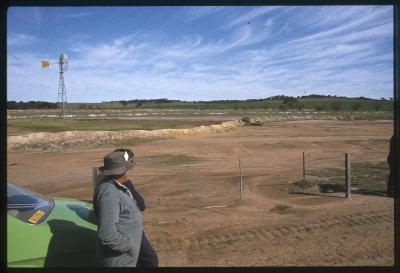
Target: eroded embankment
x=45, y=140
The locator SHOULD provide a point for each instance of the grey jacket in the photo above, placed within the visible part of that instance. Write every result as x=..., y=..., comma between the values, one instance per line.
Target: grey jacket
x=119, y=229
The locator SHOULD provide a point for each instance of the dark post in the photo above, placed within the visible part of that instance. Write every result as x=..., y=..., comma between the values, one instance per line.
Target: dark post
x=348, y=175
x=396, y=111
x=304, y=167
x=241, y=183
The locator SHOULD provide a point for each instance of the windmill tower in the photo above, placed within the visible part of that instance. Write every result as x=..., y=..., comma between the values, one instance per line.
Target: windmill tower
x=62, y=92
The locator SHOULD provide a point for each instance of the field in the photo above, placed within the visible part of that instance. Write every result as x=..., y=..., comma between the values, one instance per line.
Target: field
x=190, y=183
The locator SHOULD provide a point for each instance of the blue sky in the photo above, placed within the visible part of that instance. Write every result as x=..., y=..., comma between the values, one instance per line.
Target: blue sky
x=200, y=53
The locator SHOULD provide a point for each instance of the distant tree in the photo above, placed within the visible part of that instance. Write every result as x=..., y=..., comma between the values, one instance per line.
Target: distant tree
x=355, y=105
x=290, y=102
x=124, y=103
x=364, y=98
x=336, y=105
x=139, y=104
x=90, y=107
x=320, y=107
x=314, y=96
x=266, y=106
x=278, y=97
x=236, y=107
x=30, y=105
x=299, y=105
x=82, y=106
x=12, y=104
x=282, y=107
x=377, y=105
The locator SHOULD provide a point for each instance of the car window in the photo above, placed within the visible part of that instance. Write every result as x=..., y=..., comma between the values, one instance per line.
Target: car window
x=26, y=206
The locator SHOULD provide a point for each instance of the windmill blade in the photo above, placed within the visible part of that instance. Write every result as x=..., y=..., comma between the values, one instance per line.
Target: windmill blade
x=45, y=64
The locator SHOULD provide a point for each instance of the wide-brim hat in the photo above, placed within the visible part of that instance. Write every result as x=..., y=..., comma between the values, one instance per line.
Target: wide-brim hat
x=116, y=163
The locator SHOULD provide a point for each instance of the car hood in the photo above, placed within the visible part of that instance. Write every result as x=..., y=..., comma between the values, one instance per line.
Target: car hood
x=79, y=212
x=67, y=237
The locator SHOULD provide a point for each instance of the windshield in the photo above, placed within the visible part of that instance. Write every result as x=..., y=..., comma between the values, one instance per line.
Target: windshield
x=27, y=206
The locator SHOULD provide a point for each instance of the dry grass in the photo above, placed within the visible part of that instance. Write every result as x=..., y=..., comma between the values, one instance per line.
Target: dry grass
x=168, y=160
x=282, y=209
x=56, y=125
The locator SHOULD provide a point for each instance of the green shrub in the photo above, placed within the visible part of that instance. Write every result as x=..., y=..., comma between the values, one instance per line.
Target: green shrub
x=377, y=106
x=336, y=105
x=245, y=120
x=282, y=107
x=305, y=184
x=355, y=105
x=299, y=106
x=320, y=107
x=256, y=123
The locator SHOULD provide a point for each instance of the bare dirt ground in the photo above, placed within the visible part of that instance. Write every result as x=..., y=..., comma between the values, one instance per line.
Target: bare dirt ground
x=191, y=188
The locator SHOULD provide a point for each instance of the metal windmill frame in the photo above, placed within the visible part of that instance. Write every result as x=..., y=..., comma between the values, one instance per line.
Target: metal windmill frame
x=62, y=91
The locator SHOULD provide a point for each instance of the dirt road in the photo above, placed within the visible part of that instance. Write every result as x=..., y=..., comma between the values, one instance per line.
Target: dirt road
x=191, y=188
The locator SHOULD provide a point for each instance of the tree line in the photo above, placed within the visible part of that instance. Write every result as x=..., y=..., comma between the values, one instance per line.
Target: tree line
x=14, y=105
x=282, y=102
x=273, y=98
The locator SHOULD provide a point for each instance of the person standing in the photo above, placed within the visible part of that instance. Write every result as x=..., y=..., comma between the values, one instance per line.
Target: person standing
x=119, y=220
x=147, y=254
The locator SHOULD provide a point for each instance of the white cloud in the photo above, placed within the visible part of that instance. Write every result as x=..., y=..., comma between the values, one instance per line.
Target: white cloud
x=250, y=15
x=340, y=54
x=27, y=80
x=76, y=15
x=359, y=22
x=196, y=13
x=16, y=39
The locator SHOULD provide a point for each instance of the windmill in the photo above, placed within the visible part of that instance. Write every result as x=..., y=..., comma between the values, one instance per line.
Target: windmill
x=62, y=92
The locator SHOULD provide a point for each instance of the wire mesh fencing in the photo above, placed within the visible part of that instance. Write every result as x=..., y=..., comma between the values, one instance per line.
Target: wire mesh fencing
x=321, y=174
x=327, y=174
x=369, y=177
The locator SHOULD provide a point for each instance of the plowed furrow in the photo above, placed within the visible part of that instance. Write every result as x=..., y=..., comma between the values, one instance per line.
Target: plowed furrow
x=293, y=231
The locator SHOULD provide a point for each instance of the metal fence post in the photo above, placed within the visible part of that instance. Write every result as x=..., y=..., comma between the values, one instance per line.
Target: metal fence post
x=348, y=175
x=241, y=183
x=304, y=167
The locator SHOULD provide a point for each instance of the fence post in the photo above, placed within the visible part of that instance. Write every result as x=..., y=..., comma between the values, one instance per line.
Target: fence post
x=241, y=183
x=94, y=178
x=348, y=175
x=304, y=167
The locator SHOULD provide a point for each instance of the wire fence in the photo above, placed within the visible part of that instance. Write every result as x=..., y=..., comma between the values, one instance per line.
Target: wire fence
x=327, y=174
x=317, y=174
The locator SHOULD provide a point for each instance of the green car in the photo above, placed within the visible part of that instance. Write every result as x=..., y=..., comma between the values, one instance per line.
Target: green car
x=45, y=232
